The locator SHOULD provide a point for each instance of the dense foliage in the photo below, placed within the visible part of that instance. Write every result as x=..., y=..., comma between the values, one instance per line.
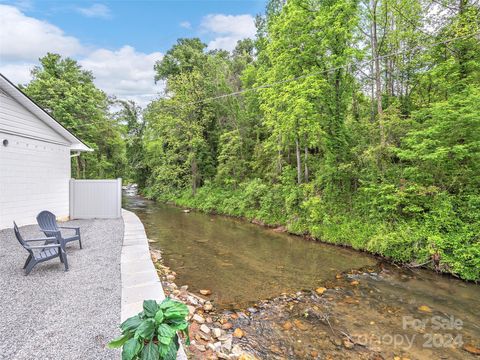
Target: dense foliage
x=359, y=125
x=152, y=334
x=67, y=92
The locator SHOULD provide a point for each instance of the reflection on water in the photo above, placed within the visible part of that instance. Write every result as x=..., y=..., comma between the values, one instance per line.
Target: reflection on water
x=240, y=262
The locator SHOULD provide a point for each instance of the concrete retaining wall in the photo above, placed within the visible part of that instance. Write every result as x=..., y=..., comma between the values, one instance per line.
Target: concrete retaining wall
x=139, y=276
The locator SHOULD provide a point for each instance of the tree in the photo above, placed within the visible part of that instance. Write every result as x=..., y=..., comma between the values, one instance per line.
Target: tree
x=308, y=109
x=67, y=92
x=131, y=118
x=191, y=75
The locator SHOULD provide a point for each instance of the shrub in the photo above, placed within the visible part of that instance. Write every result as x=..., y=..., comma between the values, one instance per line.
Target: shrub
x=152, y=334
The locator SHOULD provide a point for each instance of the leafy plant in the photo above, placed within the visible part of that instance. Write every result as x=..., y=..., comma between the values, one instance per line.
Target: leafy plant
x=152, y=334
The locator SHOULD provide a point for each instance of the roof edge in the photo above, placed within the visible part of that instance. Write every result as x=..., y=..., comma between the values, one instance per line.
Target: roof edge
x=38, y=111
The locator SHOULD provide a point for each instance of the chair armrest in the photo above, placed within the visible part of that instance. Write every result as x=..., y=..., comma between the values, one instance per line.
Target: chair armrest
x=50, y=231
x=76, y=228
x=42, y=239
x=45, y=246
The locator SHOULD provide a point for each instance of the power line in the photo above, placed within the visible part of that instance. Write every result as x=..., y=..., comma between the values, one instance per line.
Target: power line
x=346, y=66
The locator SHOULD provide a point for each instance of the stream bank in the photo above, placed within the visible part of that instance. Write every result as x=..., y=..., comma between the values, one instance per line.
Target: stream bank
x=294, y=299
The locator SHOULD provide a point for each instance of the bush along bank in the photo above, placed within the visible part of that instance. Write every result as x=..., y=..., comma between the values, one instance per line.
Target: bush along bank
x=436, y=230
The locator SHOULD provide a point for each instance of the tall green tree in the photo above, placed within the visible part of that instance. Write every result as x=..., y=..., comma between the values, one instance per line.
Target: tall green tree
x=67, y=92
x=130, y=117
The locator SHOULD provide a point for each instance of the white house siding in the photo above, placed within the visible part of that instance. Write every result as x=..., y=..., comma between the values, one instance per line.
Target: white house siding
x=17, y=120
x=34, y=167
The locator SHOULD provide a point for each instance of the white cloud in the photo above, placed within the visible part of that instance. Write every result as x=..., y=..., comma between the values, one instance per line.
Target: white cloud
x=96, y=11
x=24, y=38
x=228, y=29
x=125, y=73
x=186, y=25
x=18, y=73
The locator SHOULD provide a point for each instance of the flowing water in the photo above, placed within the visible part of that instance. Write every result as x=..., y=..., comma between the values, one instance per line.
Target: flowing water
x=240, y=262
x=370, y=310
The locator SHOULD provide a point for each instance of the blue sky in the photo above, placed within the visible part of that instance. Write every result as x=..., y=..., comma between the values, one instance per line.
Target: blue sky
x=119, y=41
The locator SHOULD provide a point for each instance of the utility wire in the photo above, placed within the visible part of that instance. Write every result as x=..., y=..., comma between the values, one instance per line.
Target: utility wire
x=346, y=66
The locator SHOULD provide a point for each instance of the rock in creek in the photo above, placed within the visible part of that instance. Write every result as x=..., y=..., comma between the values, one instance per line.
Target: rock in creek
x=201, y=348
x=191, y=310
x=471, y=349
x=300, y=325
x=238, y=333
x=198, y=318
x=320, y=290
x=227, y=345
x=227, y=326
x=280, y=229
x=205, y=329
x=217, y=332
x=222, y=355
x=348, y=344
x=205, y=292
x=424, y=308
x=208, y=306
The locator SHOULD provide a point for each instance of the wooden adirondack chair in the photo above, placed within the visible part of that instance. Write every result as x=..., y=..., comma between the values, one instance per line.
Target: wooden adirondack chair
x=50, y=249
x=48, y=223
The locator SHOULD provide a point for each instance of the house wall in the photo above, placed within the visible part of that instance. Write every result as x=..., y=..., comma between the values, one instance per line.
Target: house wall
x=16, y=120
x=34, y=166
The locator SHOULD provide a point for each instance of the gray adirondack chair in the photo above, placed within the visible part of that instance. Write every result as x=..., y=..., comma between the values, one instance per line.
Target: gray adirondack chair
x=48, y=224
x=50, y=249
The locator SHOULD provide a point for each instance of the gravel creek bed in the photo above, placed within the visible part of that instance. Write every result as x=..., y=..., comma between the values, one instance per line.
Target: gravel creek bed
x=52, y=314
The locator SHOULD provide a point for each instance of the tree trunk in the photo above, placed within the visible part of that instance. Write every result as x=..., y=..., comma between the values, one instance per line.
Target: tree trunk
x=305, y=164
x=83, y=166
x=194, y=176
x=279, y=159
x=372, y=92
x=376, y=62
x=299, y=162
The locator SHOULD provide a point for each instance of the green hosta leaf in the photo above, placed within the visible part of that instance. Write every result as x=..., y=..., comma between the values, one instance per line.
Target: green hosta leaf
x=119, y=341
x=167, y=303
x=159, y=317
x=169, y=351
x=165, y=340
x=131, y=324
x=176, y=311
x=179, y=324
x=165, y=331
x=146, y=329
x=131, y=349
x=150, y=307
x=150, y=352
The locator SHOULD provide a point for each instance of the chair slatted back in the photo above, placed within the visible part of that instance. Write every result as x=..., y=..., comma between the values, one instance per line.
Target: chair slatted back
x=47, y=221
x=20, y=238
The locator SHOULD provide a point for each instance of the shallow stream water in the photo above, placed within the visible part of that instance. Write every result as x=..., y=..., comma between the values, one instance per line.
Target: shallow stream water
x=369, y=310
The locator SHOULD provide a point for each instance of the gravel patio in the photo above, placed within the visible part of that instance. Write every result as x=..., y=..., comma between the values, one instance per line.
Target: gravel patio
x=52, y=314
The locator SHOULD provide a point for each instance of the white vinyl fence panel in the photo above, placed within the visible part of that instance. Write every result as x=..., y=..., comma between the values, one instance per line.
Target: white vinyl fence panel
x=95, y=199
